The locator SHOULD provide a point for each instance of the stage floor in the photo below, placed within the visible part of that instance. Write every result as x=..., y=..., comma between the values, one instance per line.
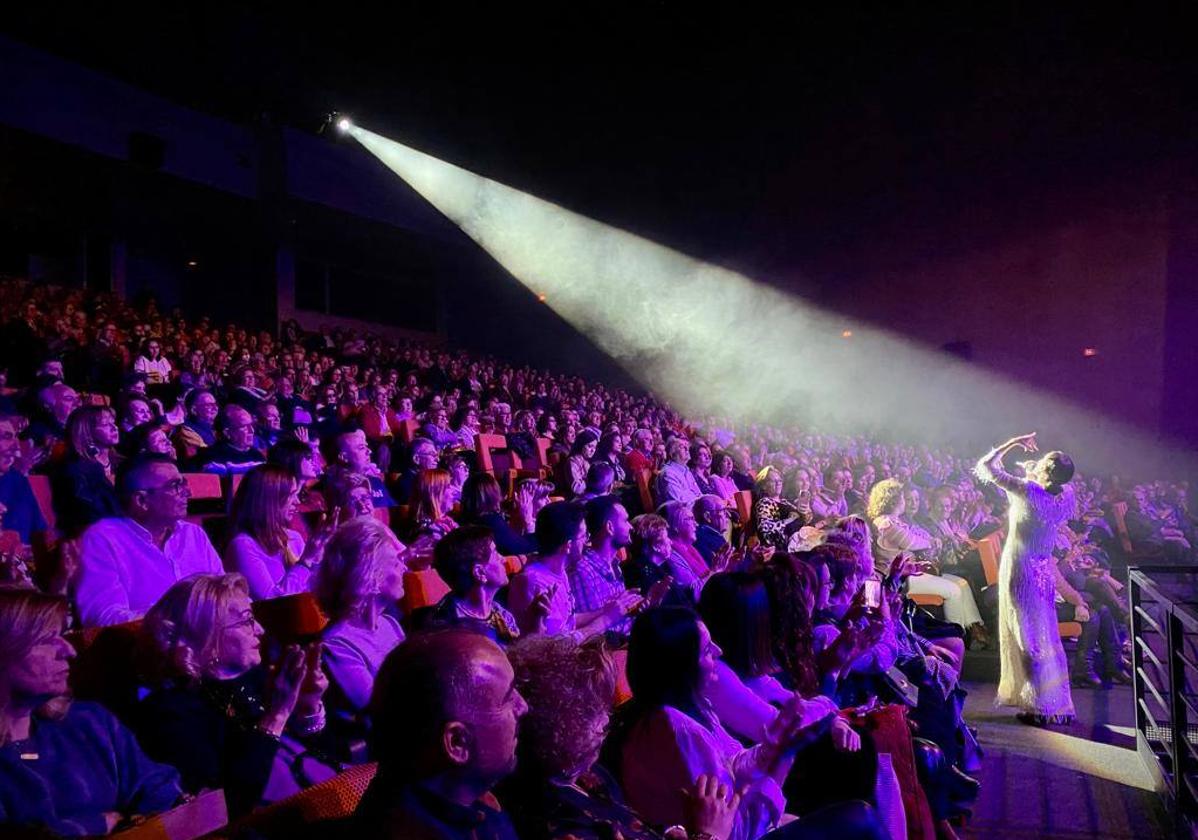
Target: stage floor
x=1073, y=783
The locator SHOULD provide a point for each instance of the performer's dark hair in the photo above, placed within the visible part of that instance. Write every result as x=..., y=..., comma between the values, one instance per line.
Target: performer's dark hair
x=1059, y=470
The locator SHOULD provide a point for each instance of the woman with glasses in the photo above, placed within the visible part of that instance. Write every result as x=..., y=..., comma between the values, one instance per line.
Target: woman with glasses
x=214, y=711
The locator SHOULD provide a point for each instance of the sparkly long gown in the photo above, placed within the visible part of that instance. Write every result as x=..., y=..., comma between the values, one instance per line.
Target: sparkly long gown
x=1034, y=670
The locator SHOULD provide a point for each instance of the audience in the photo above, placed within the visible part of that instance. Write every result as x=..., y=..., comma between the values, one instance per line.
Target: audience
x=215, y=712
x=446, y=711
x=66, y=767
x=127, y=562
x=82, y=483
x=790, y=618
x=358, y=585
x=274, y=559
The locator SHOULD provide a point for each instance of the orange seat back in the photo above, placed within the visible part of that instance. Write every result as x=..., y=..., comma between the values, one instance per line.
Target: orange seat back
x=989, y=549
x=333, y=799
x=422, y=589
x=203, y=485
x=643, y=481
x=744, y=505
x=514, y=563
x=291, y=618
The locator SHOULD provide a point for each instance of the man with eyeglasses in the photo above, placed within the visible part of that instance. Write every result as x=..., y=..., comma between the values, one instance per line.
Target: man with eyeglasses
x=128, y=562
x=235, y=453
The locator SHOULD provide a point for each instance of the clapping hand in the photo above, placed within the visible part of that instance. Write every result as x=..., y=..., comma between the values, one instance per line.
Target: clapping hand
x=711, y=807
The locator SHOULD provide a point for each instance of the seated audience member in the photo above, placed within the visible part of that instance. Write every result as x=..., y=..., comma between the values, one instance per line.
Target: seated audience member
x=465, y=426
x=558, y=790
x=198, y=432
x=481, y=498
x=272, y=557
x=358, y=585
x=735, y=608
x=640, y=456
x=133, y=410
x=214, y=711
x=234, y=453
x=668, y=737
x=686, y=564
x=423, y=455
x=429, y=513
x=470, y=565
x=777, y=518
x=348, y=494
x=353, y=454
x=56, y=402
x=303, y=463
x=459, y=470
x=649, y=565
x=152, y=438
x=675, y=482
x=268, y=429
x=722, y=483
x=66, y=768
x=543, y=585
x=829, y=501
x=700, y=465
x=1098, y=660
x=579, y=462
x=152, y=364
x=445, y=713
x=610, y=452
x=712, y=515
x=20, y=509
x=895, y=534
x=523, y=438
x=437, y=429
x=127, y=562
x=595, y=578
x=600, y=479
x=82, y=482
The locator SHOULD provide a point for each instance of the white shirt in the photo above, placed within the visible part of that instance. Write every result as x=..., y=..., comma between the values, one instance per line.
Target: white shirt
x=267, y=574
x=122, y=573
x=156, y=370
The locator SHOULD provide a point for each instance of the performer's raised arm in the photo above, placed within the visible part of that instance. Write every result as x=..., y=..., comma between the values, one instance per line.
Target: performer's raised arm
x=990, y=467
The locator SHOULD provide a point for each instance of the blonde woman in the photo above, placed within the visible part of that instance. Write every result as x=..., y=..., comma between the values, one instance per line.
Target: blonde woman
x=82, y=484
x=214, y=711
x=887, y=504
x=67, y=768
x=359, y=584
x=271, y=555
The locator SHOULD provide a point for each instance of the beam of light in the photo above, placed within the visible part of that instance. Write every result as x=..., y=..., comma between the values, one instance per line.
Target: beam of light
x=714, y=342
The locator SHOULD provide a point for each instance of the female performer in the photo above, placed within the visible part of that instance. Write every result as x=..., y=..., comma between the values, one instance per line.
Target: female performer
x=1034, y=671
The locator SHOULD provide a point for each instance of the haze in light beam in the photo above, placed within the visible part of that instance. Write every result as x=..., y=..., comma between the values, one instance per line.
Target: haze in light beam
x=712, y=341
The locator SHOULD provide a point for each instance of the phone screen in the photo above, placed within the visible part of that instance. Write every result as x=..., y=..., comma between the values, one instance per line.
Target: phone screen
x=873, y=594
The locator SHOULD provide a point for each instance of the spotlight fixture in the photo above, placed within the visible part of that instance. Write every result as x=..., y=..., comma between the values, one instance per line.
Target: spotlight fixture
x=1090, y=352
x=344, y=124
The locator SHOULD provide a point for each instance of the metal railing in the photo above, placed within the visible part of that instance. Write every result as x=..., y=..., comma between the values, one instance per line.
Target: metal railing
x=1164, y=628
